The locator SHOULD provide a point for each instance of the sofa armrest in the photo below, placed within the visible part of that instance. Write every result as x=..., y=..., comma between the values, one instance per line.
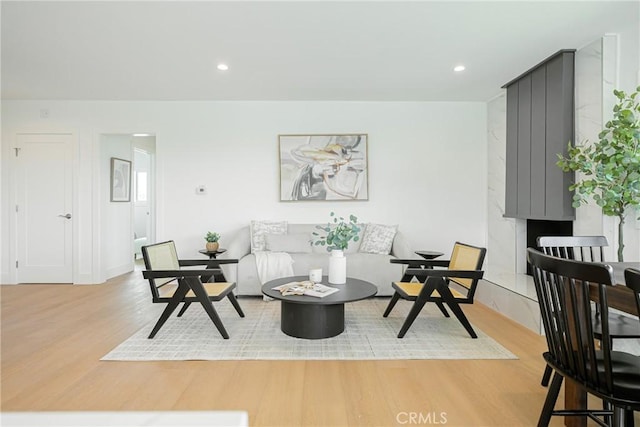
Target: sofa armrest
x=237, y=248
x=401, y=248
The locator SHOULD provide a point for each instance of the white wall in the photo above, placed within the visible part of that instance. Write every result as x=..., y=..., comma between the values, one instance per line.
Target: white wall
x=427, y=165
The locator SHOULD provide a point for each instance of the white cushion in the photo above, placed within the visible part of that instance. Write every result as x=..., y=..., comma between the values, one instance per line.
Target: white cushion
x=291, y=243
x=378, y=239
x=260, y=228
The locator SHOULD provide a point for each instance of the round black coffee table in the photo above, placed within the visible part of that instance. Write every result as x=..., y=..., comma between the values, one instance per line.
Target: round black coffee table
x=308, y=317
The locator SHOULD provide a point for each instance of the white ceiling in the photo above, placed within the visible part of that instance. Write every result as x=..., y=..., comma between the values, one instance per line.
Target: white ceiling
x=299, y=50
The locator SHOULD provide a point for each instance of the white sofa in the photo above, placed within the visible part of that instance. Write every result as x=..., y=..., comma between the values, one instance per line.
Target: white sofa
x=374, y=268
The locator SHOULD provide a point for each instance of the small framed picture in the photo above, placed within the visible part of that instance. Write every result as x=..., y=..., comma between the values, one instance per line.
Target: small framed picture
x=120, y=180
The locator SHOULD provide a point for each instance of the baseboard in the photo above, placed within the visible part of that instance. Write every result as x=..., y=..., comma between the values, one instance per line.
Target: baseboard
x=5, y=279
x=117, y=271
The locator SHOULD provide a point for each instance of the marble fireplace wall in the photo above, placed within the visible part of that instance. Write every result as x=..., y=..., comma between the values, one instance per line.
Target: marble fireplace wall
x=506, y=254
x=589, y=98
x=507, y=289
x=501, y=239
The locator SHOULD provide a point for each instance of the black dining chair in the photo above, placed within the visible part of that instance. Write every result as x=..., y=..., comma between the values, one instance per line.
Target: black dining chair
x=579, y=248
x=589, y=249
x=632, y=280
x=562, y=287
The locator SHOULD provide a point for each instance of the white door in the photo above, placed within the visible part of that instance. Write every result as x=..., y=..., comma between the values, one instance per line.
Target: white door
x=44, y=202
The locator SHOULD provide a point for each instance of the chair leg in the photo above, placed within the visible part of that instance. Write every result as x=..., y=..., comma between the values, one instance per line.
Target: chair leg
x=442, y=308
x=392, y=303
x=448, y=298
x=177, y=298
x=457, y=311
x=546, y=376
x=413, y=313
x=606, y=406
x=629, y=421
x=235, y=304
x=201, y=294
x=622, y=417
x=550, y=401
x=184, y=308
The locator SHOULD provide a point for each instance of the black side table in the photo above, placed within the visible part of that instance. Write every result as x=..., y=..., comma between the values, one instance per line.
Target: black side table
x=217, y=272
x=212, y=254
x=429, y=254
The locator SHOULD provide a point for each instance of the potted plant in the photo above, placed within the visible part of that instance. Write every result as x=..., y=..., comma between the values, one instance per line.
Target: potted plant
x=339, y=234
x=337, y=238
x=212, y=241
x=610, y=167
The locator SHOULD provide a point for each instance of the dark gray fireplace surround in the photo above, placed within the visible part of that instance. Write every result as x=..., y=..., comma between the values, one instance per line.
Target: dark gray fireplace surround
x=540, y=124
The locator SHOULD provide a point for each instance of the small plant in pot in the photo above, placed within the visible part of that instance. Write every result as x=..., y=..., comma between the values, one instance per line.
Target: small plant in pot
x=212, y=241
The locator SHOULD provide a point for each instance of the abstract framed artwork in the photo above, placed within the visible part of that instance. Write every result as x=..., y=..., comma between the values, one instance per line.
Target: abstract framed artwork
x=324, y=167
x=120, y=180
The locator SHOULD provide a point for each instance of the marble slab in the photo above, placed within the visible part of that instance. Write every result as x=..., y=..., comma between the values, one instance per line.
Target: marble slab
x=510, y=300
x=125, y=418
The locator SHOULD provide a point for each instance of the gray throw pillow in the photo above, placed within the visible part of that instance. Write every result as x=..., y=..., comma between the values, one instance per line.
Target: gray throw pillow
x=378, y=238
x=260, y=228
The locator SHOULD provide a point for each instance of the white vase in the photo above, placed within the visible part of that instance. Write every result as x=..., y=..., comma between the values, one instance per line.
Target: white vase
x=337, y=267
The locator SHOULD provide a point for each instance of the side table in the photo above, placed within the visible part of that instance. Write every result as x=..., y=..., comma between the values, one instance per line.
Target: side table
x=429, y=254
x=217, y=272
x=212, y=254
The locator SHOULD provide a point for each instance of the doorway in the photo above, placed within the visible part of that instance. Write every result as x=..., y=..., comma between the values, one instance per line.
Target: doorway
x=126, y=225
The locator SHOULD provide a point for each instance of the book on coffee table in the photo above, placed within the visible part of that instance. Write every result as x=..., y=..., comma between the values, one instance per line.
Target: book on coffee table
x=306, y=288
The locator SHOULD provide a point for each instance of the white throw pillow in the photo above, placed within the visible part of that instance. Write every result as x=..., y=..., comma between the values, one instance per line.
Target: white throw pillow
x=260, y=228
x=378, y=238
x=291, y=243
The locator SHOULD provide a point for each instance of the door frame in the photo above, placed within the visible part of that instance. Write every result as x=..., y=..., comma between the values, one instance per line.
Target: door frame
x=151, y=187
x=13, y=200
x=150, y=148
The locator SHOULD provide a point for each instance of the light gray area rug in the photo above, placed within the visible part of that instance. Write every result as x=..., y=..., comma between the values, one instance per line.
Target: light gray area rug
x=258, y=336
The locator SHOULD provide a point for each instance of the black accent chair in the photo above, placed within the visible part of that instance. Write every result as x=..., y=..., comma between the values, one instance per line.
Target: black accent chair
x=562, y=287
x=588, y=249
x=451, y=286
x=185, y=285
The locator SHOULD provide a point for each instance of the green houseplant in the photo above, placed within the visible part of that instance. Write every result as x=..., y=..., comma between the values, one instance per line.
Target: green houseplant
x=212, y=241
x=611, y=166
x=339, y=232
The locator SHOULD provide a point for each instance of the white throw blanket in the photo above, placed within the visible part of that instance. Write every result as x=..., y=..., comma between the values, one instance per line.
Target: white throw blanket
x=273, y=265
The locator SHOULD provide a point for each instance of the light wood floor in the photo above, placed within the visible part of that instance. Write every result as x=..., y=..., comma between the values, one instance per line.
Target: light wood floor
x=54, y=335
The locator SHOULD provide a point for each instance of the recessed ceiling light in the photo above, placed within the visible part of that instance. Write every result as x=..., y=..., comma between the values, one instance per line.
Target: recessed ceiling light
x=223, y=67
x=459, y=68
x=141, y=134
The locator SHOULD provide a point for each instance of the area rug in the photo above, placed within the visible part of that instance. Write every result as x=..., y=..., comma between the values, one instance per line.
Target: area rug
x=258, y=336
